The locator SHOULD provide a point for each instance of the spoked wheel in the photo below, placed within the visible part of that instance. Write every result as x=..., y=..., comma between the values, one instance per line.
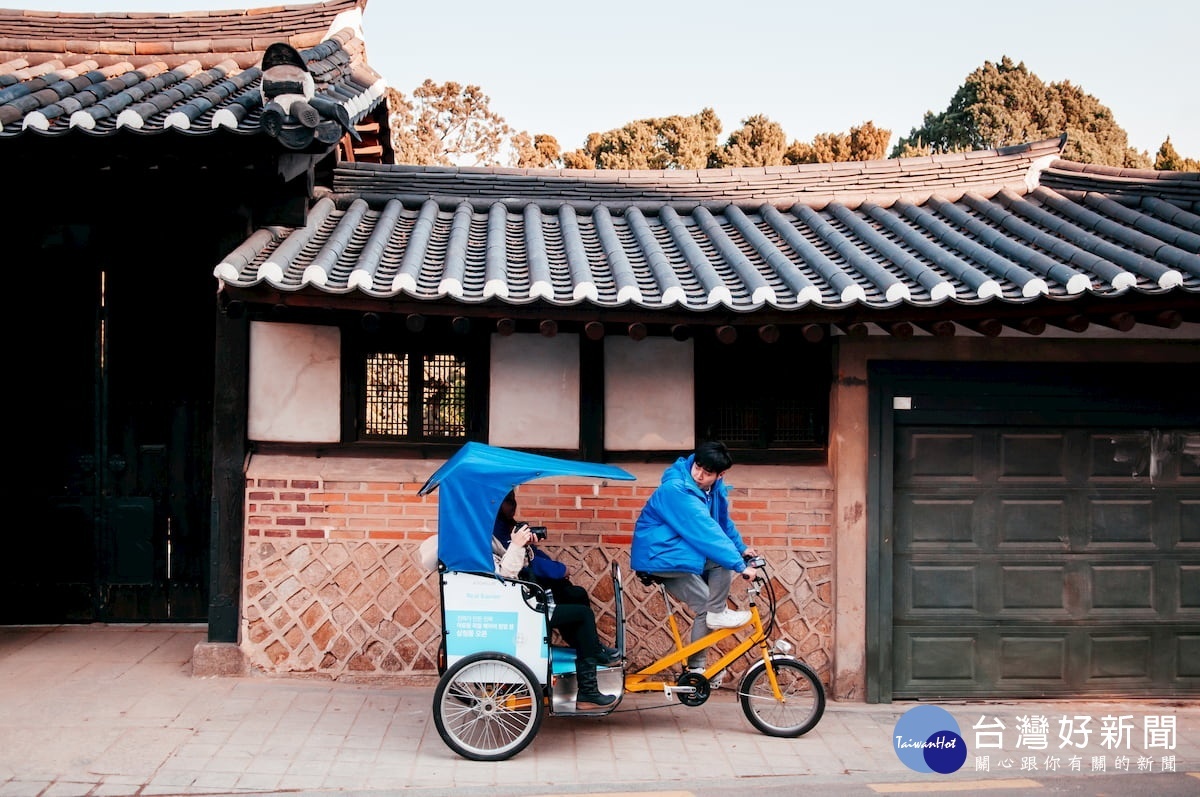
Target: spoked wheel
x=803, y=698
x=488, y=707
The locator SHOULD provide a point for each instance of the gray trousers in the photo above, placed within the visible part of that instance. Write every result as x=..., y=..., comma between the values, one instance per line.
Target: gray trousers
x=703, y=594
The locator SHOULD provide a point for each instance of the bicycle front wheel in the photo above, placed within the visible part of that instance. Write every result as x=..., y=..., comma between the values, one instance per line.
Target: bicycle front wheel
x=488, y=707
x=803, y=700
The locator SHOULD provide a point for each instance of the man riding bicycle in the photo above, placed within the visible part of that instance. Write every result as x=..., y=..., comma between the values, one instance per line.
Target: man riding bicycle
x=685, y=537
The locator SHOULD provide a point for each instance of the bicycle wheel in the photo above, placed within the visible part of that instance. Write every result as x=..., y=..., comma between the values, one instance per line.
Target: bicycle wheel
x=488, y=707
x=803, y=698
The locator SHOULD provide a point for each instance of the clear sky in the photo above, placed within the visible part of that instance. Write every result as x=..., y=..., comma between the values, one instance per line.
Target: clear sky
x=568, y=68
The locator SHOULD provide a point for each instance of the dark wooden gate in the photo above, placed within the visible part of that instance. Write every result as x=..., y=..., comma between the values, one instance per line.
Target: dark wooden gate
x=114, y=392
x=1040, y=561
x=1041, y=537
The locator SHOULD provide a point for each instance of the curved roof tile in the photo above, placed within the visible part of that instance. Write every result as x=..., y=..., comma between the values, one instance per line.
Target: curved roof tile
x=192, y=72
x=161, y=36
x=747, y=240
x=814, y=184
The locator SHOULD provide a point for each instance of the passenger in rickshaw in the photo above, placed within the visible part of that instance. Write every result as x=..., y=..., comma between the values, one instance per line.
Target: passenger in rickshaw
x=575, y=622
x=685, y=537
x=542, y=569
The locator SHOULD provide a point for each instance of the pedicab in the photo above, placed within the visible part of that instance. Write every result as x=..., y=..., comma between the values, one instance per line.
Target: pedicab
x=501, y=671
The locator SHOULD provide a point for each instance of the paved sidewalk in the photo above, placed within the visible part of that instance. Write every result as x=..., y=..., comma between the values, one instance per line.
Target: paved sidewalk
x=113, y=711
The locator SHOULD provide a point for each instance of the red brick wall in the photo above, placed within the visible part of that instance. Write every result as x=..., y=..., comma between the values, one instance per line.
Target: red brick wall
x=332, y=584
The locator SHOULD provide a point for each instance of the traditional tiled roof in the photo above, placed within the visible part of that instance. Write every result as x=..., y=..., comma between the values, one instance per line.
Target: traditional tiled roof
x=779, y=185
x=196, y=73
x=1009, y=226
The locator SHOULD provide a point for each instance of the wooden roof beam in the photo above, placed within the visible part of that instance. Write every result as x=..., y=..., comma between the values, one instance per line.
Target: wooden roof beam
x=1034, y=325
x=1122, y=322
x=942, y=328
x=1071, y=323
x=1167, y=319
x=989, y=327
x=853, y=329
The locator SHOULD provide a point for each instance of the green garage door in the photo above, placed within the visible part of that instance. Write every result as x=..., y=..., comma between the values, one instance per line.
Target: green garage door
x=1043, y=558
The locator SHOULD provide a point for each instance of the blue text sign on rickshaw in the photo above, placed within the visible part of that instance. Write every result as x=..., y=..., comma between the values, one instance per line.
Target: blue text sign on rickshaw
x=489, y=614
x=472, y=631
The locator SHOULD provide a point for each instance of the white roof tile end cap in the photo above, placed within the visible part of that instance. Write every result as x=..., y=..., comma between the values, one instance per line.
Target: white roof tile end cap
x=224, y=118
x=35, y=119
x=1037, y=287
x=404, y=282
x=450, y=287
x=130, y=118
x=854, y=293
x=991, y=290
x=1170, y=279
x=674, y=295
x=1078, y=284
x=361, y=279
x=630, y=293
x=809, y=294
x=764, y=295
x=720, y=295
x=315, y=275
x=586, y=290
x=1123, y=281
x=177, y=120
x=898, y=291
x=495, y=288
x=84, y=120
x=271, y=272
x=943, y=290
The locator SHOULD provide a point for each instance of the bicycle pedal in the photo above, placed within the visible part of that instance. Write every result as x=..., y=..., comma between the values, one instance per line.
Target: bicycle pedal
x=670, y=691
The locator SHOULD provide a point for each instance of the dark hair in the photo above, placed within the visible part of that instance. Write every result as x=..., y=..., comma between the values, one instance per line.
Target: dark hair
x=713, y=456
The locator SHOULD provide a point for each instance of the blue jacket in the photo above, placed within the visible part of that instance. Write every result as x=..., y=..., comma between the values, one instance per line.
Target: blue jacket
x=681, y=527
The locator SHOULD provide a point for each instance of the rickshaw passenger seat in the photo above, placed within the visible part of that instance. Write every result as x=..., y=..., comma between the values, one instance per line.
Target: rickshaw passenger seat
x=562, y=659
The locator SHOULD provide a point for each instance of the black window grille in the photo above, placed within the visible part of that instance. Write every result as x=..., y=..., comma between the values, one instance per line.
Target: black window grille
x=415, y=396
x=387, y=394
x=445, y=396
x=767, y=400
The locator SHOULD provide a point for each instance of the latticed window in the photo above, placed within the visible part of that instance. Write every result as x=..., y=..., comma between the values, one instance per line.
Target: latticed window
x=419, y=396
x=760, y=397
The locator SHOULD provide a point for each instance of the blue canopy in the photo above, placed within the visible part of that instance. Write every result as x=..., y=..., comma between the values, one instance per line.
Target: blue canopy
x=474, y=481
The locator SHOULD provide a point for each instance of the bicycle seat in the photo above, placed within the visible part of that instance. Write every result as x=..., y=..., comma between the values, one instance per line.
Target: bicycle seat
x=649, y=579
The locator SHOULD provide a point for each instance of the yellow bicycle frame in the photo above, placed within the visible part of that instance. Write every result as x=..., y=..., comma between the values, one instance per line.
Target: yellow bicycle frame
x=643, y=680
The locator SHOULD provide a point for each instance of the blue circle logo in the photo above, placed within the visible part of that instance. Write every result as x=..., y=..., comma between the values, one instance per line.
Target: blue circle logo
x=926, y=739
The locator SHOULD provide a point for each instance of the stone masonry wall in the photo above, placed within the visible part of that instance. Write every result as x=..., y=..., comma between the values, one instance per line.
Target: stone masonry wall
x=332, y=585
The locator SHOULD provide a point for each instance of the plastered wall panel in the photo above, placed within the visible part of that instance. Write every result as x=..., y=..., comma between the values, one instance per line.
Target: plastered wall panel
x=649, y=392
x=295, y=383
x=534, y=399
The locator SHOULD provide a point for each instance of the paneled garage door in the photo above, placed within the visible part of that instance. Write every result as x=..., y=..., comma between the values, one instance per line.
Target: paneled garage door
x=1046, y=558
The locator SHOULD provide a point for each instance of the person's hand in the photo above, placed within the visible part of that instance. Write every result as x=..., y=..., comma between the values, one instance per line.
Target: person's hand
x=522, y=536
x=751, y=572
x=749, y=552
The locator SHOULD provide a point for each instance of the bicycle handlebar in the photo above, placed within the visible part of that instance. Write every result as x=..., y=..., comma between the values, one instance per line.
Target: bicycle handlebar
x=754, y=561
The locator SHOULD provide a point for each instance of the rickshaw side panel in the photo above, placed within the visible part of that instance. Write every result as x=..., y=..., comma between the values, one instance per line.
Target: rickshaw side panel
x=487, y=613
